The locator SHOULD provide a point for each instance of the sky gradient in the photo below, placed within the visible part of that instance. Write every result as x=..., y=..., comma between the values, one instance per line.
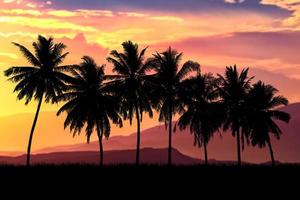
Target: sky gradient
x=261, y=34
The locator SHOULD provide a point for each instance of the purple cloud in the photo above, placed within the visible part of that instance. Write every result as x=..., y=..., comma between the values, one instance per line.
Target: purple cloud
x=257, y=45
x=218, y=6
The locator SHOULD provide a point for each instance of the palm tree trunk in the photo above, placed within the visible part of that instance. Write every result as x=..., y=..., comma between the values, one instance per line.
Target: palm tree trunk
x=170, y=138
x=205, y=153
x=271, y=152
x=32, y=130
x=138, y=143
x=100, y=138
x=238, y=139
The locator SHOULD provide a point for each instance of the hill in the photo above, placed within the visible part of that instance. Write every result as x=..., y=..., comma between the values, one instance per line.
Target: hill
x=148, y=156
x=222, y=147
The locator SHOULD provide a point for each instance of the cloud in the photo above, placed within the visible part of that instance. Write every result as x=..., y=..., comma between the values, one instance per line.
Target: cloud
x=167, y=18
x=79, y=47
x=194, y=6
x=108, y=13
x=24, y=4
x=81, y=13
x=62, y=13
x=283, y=45
x=288, y=4
x=293, y=6
x=234, y=1
x=28, y=12
x=133, y=14
x=270, y=51
x=44, y=23
x=141, y=21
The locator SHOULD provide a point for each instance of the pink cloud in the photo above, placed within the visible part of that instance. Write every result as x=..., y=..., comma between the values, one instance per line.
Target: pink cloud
x=79, y=47
x=251, y=45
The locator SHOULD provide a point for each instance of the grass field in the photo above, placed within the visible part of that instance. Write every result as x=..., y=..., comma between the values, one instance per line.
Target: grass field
x=151, y=172
x=156, y=179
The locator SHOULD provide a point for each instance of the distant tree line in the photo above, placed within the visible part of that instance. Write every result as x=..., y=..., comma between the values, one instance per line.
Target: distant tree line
x=138, y=85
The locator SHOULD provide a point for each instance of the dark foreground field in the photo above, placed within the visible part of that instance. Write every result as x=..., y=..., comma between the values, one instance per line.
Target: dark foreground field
x=153, y=179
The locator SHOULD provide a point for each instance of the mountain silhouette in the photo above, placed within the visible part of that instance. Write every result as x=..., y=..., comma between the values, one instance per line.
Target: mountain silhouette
x=148, y=156
x=220, y=148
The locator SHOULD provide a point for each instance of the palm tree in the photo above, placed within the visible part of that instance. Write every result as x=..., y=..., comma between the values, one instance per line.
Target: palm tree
x=130, y=82
x=44, y=79
x=170, y=87
x=89, y=102
x=262, y=103
x=204, y=114
x=233, y=90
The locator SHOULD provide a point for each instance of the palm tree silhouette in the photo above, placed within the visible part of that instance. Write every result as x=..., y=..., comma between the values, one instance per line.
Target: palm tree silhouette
x=90, y=102
x=130, y=82
x=233, y=90
x=204, y=114
x=262, y=103
x=45, y=79
x=170, y=87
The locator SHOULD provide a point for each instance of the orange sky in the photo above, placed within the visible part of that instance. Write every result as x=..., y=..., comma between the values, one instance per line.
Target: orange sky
x=261, y=34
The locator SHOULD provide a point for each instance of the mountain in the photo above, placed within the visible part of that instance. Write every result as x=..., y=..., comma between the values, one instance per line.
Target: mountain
x=50, y=132
x=222, y=147
x=148, y=156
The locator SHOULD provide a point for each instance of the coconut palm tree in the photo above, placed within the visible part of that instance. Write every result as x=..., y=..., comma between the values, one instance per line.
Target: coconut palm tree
x=233, y=89
x=89, y=102
x=262, y=115
x=204, y=114
x=170, y=87
x=44, y=79
x=130, y=82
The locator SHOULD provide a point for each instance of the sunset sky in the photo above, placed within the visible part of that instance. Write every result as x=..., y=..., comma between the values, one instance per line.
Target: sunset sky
x=261, y=34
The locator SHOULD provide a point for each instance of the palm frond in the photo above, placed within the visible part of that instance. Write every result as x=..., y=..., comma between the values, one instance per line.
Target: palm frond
x=28, y=55
x=187, y=68
x=280, y=115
